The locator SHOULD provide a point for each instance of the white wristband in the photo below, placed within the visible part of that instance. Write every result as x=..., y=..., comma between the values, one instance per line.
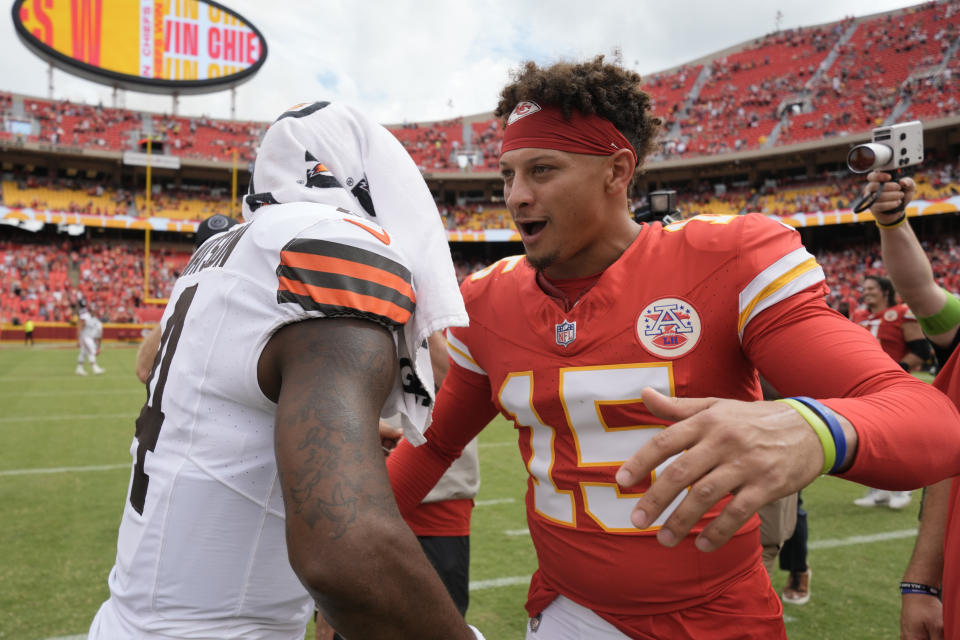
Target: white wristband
x=476, y=632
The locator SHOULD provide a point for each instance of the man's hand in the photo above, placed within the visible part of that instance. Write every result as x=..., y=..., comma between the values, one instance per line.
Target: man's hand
x=389, y=437
x=891, y=196
x=921, y=617
x=757, y=451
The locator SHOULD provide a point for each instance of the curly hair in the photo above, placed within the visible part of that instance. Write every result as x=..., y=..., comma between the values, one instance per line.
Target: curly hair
x=593, y=87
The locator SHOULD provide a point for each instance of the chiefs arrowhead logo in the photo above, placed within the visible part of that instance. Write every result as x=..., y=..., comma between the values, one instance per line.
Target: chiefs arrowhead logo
x=522, y=110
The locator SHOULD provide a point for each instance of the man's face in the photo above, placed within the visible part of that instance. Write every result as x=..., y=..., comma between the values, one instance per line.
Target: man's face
x=872, y=294
x=556, y=200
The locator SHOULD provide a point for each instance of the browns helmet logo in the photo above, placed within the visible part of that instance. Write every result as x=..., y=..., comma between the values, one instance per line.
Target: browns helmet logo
x=318, y=176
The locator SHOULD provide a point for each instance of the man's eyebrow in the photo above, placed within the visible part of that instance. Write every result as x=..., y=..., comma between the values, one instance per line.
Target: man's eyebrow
x=531, y=160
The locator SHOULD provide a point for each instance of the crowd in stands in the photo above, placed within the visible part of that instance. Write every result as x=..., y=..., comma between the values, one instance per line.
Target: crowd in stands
x=476, y=216
x=828, y=192
x=846, y=269
x=787, y=87
x=209, y=139
x=44, y=281
x=432, y=146
x=67, y=194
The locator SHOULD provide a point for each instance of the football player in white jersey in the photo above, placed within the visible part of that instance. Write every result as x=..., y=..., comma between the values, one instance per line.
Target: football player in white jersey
x=258, y=486
x=89, y=333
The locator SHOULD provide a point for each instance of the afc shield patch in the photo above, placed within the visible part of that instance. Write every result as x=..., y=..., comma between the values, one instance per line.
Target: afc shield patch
x=566, y=333
x=669, y=328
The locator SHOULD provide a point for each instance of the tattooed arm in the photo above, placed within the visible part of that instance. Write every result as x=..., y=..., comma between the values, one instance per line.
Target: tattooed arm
x=346, y=540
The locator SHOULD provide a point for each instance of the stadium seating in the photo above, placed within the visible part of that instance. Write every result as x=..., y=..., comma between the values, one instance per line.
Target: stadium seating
x=787, y=87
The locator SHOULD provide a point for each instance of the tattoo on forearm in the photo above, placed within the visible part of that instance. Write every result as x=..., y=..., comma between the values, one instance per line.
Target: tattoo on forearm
x=332, y=481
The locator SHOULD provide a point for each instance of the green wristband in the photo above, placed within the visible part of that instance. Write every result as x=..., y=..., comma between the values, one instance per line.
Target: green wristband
x=820, y=428
x=947, y=318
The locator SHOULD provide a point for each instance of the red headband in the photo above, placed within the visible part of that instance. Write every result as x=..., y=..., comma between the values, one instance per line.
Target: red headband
x=533, y=126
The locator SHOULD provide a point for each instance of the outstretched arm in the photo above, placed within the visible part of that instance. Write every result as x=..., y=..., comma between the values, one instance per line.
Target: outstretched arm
x=903, y=256
x=346, y=540
x=900, y=433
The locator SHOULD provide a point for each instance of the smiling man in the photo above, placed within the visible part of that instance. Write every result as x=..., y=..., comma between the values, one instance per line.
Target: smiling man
x=608, y=331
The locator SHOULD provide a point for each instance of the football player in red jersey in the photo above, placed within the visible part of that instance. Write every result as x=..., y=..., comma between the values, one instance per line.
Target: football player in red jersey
x=609, y=331
x=931, y=583
x=895, y=326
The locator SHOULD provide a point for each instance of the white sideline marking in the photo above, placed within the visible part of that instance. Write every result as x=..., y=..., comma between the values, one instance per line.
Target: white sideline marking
x=70, y=392
x=82, y=637
x=496, y=583
x=75, y=416
x=485, y=445
x=517, y=532
x=874, y=537
x=487, y=503
x=94, y=467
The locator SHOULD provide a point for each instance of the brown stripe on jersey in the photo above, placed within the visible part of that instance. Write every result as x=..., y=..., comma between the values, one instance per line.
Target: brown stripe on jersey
x=339, y=302
x=347, y=252
x=322, y=264
x=342, y=280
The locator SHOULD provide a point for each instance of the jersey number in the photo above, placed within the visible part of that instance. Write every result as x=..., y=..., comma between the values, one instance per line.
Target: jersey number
x=151, y=415
x=583, y=391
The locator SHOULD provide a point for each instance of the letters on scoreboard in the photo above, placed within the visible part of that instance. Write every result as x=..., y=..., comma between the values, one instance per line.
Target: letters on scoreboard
x=159, y=46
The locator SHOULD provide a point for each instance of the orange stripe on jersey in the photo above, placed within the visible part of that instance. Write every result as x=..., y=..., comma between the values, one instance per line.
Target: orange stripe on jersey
x=348, y=268
x=347, y=299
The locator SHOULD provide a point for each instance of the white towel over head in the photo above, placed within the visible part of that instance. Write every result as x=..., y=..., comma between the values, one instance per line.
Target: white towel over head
x=333, y=154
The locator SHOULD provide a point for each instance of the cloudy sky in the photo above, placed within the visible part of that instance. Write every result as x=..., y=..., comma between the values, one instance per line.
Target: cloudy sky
x=420, y=60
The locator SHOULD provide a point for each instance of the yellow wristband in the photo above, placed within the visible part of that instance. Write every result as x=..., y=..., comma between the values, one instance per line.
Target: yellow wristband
x=893, y=225
x=820, y=428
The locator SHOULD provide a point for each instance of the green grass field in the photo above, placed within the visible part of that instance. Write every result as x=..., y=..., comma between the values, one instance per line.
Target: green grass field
x=64, y=468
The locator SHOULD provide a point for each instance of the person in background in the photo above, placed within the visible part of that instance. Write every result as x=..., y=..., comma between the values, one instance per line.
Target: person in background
x=627, y=357
x=930, y=590
x=28, y=327
x=895, y=326
x=793, y=560
x=89, y=334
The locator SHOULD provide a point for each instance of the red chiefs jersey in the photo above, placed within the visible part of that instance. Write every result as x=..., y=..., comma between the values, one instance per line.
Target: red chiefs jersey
x=694, y=309
x=668, y=314
x=887, y=327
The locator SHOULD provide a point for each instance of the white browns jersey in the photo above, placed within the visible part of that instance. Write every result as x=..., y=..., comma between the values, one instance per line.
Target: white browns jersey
x=202, y=550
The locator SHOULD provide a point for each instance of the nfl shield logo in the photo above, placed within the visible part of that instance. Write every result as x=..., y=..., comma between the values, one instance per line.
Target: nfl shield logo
x=566, y=333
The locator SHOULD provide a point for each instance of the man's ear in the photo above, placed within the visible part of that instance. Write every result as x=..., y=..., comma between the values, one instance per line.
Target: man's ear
x=621, y=171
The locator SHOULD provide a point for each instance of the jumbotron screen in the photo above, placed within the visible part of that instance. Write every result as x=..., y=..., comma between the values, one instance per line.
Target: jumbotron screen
x=187, y=46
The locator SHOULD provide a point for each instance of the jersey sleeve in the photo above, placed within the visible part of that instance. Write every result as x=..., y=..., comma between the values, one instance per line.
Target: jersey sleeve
x=908, y=432
x=463, y=408
x=773, y=265
x=343, y=273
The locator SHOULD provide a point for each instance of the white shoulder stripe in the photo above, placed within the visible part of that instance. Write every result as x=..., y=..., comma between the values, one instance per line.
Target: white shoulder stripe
x=787, y=276
x=461, y=355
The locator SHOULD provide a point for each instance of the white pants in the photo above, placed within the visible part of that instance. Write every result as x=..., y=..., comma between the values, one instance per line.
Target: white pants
x=564, y=619
x=88, y=349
